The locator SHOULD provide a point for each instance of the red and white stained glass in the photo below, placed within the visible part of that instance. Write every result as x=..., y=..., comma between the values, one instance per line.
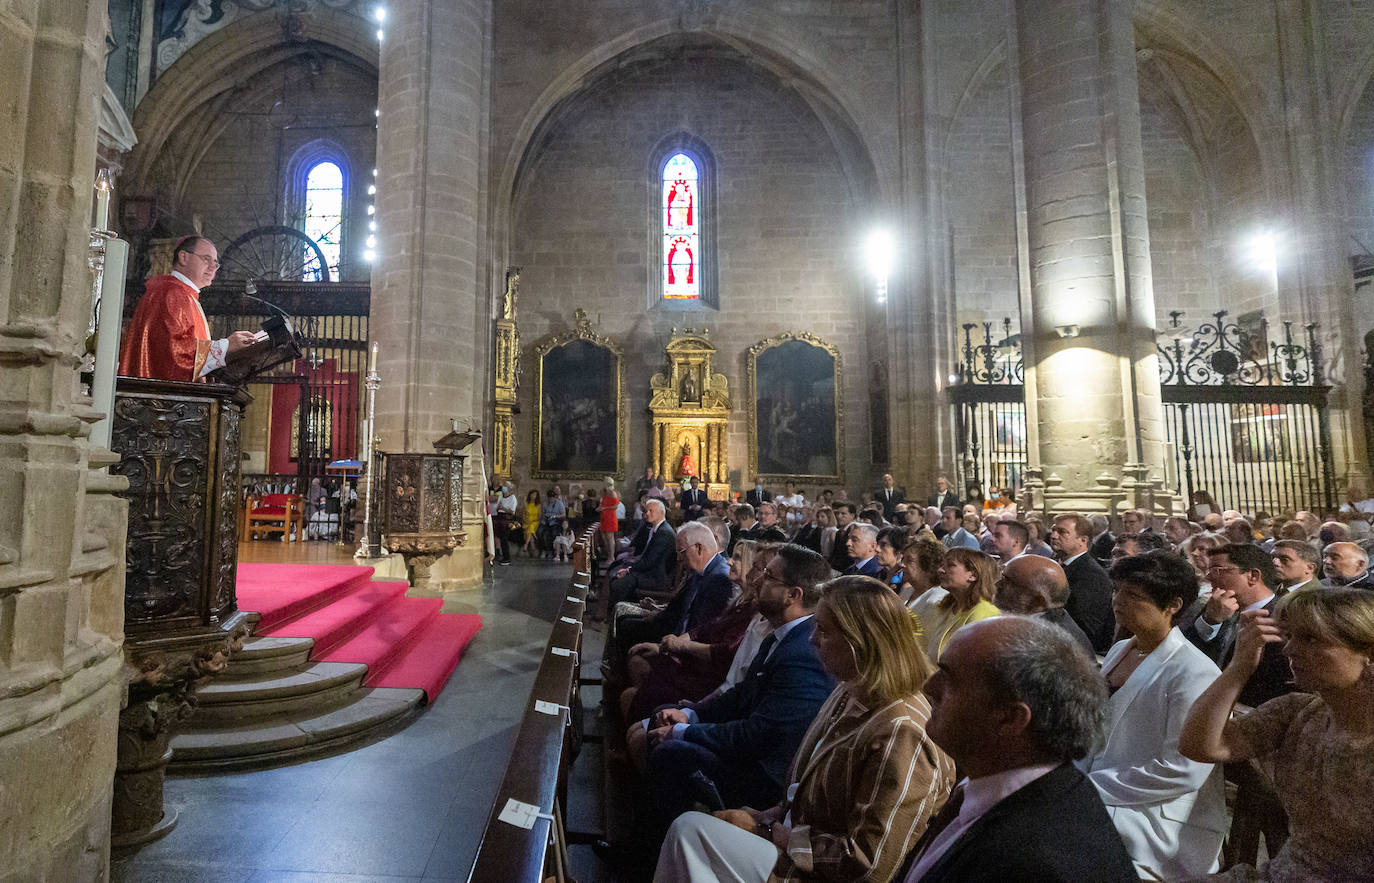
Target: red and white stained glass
x=681, y=229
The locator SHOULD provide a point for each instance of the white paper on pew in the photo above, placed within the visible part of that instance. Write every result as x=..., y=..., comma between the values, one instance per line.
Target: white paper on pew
x=574, y=599
x=522, y=815
x=568, y=619
x=560, y=651
x=550, y=708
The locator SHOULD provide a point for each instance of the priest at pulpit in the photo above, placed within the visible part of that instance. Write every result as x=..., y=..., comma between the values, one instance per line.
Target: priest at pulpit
x=169, y=337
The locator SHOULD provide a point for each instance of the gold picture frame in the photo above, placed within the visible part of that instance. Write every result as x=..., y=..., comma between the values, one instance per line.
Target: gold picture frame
x=579, y=378
x=794, y=363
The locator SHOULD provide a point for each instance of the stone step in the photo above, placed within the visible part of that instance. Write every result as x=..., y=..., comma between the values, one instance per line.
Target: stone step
x=263, y=655
x=288, y=737
x=312, y=687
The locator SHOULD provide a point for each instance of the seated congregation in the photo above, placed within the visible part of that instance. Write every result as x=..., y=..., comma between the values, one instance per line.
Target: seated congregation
x=884, y=691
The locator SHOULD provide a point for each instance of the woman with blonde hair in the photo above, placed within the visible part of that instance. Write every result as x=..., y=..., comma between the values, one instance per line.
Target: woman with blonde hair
x=866, y=779
x=968, y=577
x=1316, y=745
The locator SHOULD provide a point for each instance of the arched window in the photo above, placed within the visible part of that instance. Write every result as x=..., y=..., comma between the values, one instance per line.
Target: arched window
x=324, y=202
x=682, y=216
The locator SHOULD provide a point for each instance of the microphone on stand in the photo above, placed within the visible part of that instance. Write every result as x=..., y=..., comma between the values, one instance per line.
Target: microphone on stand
x=275, y=323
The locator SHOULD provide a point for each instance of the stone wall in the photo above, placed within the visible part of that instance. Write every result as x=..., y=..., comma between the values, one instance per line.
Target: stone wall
x=61, y=528
x=786, y=244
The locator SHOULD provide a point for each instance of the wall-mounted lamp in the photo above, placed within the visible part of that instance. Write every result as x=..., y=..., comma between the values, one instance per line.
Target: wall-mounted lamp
x=1066, y=330
x=880, y=252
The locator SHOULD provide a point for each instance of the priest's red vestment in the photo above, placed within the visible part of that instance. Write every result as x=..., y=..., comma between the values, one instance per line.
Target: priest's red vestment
x=168, y=337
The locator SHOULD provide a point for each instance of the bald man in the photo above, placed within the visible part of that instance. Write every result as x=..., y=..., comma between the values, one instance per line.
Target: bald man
x=1346, y=564
x=1036, y=587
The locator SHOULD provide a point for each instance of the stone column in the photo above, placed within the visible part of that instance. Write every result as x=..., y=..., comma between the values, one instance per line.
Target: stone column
x=430, y=309
x=61, y=527
x=1092, y=373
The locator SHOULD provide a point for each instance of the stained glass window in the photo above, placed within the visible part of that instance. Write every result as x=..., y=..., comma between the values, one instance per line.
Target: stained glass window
x=324, y=196
x=681, y=210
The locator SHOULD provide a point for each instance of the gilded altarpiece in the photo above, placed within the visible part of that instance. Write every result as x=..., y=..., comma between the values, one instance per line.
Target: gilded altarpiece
x=689, y=406
x=507, y=378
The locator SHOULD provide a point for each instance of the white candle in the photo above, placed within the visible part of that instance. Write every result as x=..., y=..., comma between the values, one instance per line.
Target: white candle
x=372, y=360
x=102, y=200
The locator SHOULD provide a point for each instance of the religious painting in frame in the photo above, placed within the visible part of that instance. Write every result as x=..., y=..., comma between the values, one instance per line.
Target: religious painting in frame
x=579, y=415
x=796, y=416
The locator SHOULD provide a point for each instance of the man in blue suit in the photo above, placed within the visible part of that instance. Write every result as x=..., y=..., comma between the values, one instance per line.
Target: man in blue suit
x=706, y=593
x=863, y=548
x=649, y=570
x=693, y=499
x=743, y=739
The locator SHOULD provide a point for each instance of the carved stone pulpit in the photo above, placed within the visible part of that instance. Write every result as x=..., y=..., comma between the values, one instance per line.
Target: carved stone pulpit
x=689, y=406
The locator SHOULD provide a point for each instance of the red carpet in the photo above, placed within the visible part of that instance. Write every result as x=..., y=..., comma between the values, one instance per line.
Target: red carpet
x=405, y=642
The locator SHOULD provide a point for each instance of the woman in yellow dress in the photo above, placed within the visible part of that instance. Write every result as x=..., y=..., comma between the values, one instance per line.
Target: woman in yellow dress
x=967, y=577
x=529, y=521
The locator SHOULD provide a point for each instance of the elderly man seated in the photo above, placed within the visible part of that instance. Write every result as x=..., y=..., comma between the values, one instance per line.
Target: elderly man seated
x=1346, y=564
x=1034, y=586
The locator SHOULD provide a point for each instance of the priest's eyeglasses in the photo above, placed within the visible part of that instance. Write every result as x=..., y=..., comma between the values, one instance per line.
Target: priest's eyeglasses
x=210, y=261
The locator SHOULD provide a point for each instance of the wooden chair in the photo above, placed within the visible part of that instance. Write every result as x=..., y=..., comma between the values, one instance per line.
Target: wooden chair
x=272, y=512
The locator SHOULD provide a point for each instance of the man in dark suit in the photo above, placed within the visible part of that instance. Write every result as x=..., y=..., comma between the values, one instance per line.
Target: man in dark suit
x=889, y=497
x=757, y=495
x=1346, y=565
x=1103, y=540
x=743, y=739
x=1090, y=589
x=1031, y=585
x=705, y=593
x=649, y=570
x=944, y=495
x=1296, y=562
x=1014, y=703
x=693, y=500
x=844, y=521
x=1243, y=578
x=863, y=550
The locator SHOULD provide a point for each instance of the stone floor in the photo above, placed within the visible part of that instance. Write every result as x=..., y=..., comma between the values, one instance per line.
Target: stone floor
x=410, y=806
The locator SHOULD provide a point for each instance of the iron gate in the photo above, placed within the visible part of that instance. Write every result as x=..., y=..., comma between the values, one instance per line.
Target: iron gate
x=1245, y=408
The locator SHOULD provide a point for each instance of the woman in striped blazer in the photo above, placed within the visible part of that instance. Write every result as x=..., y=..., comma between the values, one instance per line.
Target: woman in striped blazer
x=866, y=780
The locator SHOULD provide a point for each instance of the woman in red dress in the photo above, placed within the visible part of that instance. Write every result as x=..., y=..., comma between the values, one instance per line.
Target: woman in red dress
x=610, y=524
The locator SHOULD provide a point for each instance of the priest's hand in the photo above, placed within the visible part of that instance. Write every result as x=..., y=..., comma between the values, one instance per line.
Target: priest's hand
x=240, y=339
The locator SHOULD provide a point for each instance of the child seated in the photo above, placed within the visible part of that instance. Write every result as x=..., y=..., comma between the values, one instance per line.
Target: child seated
x=563, y=542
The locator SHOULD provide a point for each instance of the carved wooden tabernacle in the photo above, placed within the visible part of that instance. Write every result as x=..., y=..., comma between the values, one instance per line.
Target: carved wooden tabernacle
x=689, y=408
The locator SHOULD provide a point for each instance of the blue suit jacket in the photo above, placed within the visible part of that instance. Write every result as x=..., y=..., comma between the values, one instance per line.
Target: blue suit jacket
x=704, y=597
x=872, y=568
x=762, y=719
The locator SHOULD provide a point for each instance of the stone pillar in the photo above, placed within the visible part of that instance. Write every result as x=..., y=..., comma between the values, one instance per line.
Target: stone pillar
x=1312, y=232
x=1092, y=373
x=430, y=309
x=61, y=527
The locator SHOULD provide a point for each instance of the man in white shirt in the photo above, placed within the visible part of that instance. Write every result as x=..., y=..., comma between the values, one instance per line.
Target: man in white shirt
x=1014, y=702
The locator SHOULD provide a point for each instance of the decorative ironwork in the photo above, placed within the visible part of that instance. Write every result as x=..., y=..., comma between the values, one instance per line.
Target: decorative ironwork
x=1222, y=353
x=988, y=362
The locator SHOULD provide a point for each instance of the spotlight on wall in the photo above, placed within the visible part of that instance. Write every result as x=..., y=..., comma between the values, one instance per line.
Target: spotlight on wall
x=369, y=255
x=380, y=14
x=880, y=253
x=1262, y=250
x=1066, y=330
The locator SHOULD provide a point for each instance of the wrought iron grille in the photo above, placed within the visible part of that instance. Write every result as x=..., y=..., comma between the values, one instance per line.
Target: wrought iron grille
x=1245, y=409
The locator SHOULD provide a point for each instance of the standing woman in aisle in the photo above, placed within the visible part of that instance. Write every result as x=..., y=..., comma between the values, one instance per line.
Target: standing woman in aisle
x=610, y=524
x=530, y=522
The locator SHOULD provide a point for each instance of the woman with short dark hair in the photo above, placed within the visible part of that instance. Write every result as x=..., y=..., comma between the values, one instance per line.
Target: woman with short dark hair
x=1170, y=811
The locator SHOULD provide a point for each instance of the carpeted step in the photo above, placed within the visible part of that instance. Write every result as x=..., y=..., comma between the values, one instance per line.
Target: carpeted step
x=260, y=656
x=290, y=737
x=387, y=632
x=341, y=621
x=432, y=655
x=282, y=592
x=313, y=686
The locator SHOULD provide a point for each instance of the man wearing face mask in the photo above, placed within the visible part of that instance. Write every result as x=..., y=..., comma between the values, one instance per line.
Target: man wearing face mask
x=757, y=496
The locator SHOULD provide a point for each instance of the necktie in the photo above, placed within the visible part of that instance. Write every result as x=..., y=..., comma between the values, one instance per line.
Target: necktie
x=757, y=665
x=943, y=819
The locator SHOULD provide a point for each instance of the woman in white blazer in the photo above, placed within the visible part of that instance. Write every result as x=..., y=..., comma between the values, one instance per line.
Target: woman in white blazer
x=1169, y=811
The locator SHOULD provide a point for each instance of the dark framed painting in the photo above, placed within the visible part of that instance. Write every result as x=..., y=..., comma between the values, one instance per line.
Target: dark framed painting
x=580, y=413
x=796, y=420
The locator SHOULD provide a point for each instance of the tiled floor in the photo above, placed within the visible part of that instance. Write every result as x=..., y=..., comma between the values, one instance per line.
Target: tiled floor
x=410, y=806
